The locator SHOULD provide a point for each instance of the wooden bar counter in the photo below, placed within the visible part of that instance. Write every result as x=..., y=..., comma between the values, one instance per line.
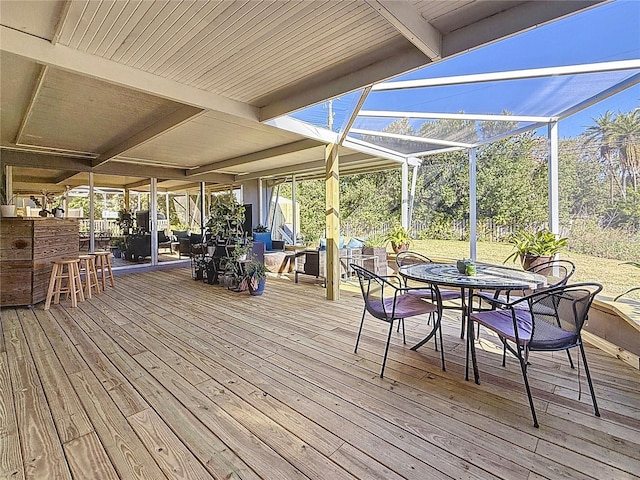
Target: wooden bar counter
x=27, y=248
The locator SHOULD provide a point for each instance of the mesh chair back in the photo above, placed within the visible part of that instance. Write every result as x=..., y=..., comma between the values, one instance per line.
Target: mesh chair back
x=558, y=272
x=411, y=258
x=377, y=293
x=558, y=315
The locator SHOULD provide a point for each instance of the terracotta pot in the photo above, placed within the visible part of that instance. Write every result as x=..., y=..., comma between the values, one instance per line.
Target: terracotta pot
x=529, y=261
x=399, y=248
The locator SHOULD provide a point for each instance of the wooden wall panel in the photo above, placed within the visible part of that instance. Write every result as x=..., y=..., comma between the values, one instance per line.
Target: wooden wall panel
x=27, y=248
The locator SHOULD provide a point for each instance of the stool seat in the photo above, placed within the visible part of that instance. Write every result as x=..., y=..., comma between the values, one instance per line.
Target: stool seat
x=65, y=278
x=103, y=268
x=88, y=267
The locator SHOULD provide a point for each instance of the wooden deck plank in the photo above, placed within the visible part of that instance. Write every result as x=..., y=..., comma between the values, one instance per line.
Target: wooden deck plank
x=263, y=459
x=208, y=448
x=11, y=466
x=88, y=459
x=169, y=452
x=207, y=383
x=42, y=452
x=129, y=456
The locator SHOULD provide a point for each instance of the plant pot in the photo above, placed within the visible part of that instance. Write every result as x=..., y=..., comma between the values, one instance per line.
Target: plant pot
x=7, y=211
x=259, y=290
x=117, y=253
x=529, y=261
x=399, y=248
x=211, y=276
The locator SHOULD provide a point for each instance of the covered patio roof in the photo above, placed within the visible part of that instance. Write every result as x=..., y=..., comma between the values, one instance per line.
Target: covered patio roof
x=187, y=92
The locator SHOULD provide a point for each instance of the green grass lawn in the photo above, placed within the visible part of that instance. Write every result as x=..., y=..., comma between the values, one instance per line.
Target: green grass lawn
x=615, y=277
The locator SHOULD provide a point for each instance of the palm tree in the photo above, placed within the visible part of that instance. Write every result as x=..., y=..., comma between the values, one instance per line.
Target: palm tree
x=626, y=129
x=602, y=134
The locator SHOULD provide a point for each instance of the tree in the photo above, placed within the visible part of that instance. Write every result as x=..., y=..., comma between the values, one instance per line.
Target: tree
x=626, y=132
x=603, y=135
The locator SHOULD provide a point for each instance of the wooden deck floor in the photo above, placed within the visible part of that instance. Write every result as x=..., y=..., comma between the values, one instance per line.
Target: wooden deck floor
x=165, y=377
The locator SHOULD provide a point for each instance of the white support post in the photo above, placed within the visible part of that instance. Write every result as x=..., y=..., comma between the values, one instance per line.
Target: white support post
x=202, y=207
x=261, y=193
x=8, y=181
x=332, y=181
x=294, y=208
x=412, y=195
x=92, y=240
x=153, y=219
x=472, y=204
x=554, y=211
x=166, y=204
x=405, y=195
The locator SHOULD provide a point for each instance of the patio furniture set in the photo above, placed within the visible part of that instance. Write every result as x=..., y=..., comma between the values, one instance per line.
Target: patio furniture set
x=547, y=316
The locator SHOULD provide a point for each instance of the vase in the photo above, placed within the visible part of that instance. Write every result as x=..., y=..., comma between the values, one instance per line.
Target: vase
x=7, y=211
x=259, y=290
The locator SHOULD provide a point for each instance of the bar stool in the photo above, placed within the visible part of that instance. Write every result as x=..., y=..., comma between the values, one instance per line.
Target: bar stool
x=65, y=269
x=103, y=267
x=88, y=267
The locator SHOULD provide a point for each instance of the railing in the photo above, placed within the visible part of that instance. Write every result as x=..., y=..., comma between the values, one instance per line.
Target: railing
x=111, y=226
x=487, y=230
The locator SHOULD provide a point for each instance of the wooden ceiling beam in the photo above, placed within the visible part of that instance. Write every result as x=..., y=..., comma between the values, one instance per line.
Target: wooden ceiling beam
x=178, y=117
x=302, y=168
x=76, y=61
x=407, y=20
x=21, y=158
x=253, y=157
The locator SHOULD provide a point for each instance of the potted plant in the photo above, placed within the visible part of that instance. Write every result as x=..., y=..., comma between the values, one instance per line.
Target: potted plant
x=117, y=246
x=255, y=277
x=400, y=238
x=262, y=234
x=534, y=248
x=7, y=208
x=226, y=217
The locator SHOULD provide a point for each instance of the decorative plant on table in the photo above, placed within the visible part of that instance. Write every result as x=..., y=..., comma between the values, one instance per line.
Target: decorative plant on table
x=255, y=278
x=534, y=248
x=400, y=238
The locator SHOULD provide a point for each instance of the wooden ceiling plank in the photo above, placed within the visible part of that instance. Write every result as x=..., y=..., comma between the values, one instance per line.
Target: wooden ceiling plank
x=68, y=59
x=120, y=29
x=309, y=42
x=154, y=30
x=252, y=157
x=170, y=65
x=167, y=123
x=173, y=33
x=99, y=41
x=274, y=19
x=411, y=25
x=205, y=40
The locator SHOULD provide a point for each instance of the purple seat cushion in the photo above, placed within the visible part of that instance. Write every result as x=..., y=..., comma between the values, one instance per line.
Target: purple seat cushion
x=406, y=306
x=501, y=322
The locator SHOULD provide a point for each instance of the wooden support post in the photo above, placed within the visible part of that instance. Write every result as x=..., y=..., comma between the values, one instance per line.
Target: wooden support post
x=332, y=179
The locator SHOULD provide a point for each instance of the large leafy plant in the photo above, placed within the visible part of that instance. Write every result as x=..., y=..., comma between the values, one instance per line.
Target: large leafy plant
x=542, y=243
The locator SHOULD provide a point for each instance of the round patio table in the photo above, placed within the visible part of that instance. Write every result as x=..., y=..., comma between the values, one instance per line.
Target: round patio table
x=487, y=277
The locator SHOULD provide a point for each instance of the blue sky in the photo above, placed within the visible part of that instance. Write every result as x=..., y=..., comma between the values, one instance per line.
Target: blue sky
x=606, y=33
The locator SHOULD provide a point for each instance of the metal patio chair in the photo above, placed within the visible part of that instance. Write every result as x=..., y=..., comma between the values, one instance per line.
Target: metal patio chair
x=386, y=299
x=548, y=320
